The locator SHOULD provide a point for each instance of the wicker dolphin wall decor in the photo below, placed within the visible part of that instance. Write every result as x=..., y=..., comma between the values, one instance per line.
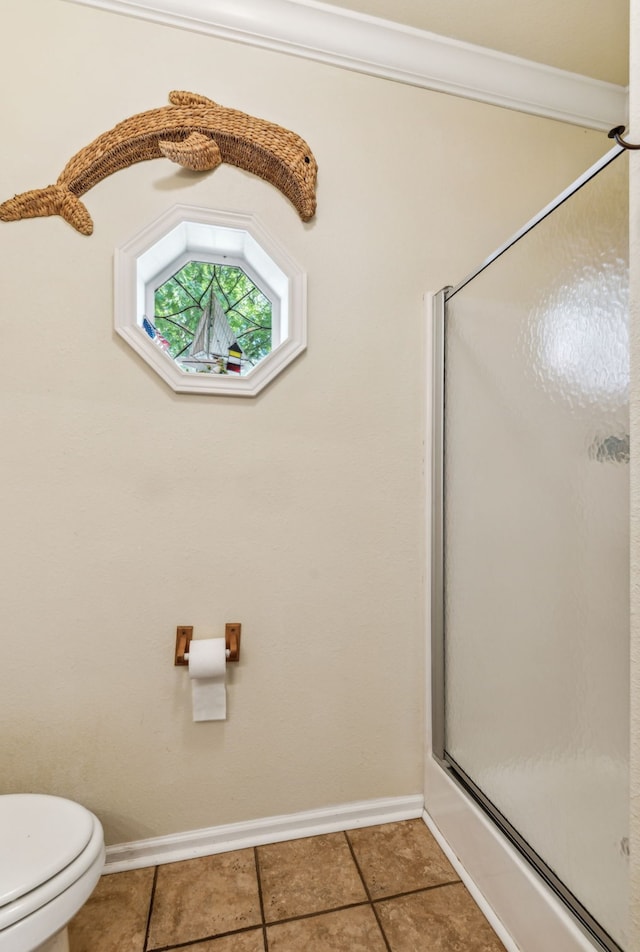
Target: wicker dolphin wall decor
x=194, y=132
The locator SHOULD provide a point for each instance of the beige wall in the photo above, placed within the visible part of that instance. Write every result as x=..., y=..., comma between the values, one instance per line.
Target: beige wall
x=129, y=509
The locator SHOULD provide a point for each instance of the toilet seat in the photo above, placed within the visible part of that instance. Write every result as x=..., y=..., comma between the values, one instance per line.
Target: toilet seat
x=41, y=835
x=44, y=883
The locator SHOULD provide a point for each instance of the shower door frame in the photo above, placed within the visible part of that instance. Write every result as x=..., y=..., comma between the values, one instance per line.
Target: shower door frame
x=585, y=921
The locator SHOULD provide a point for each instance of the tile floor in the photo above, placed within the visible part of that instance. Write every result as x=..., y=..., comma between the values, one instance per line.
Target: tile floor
x=384, y=888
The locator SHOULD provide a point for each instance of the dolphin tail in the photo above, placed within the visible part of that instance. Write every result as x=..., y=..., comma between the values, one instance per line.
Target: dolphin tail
x=53, y=200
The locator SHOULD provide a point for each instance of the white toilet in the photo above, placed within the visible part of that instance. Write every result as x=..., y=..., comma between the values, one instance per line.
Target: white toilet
x=51, y=857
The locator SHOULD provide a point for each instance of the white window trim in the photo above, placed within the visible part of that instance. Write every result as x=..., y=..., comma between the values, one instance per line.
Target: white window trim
x=187, y=232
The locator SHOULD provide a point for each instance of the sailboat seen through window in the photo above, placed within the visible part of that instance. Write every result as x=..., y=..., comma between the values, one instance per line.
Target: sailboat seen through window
x=212, y=319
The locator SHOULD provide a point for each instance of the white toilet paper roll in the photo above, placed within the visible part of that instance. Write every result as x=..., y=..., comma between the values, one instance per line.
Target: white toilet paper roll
x=208, y=670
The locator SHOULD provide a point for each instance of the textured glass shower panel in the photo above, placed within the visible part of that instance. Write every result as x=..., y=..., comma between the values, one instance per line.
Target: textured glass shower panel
x=536, y=539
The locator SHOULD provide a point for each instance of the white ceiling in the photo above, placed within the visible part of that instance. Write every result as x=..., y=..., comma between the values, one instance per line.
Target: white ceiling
x=583, y=36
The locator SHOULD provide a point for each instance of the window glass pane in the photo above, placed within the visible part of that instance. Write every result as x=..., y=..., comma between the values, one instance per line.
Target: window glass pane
x=212, y=318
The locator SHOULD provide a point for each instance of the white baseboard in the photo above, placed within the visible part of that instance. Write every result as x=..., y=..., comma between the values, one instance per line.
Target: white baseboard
x=274, y=829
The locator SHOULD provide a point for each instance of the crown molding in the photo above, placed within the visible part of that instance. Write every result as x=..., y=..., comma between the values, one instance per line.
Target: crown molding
x=350, y=40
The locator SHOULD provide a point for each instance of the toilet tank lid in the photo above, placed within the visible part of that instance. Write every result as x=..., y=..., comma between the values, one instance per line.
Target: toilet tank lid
x=39, y=836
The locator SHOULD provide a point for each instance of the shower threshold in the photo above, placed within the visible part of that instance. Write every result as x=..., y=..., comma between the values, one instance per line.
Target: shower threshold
x=587, y=923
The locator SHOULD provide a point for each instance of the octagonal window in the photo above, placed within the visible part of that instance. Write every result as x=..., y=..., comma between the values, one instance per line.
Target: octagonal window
x=210, y=301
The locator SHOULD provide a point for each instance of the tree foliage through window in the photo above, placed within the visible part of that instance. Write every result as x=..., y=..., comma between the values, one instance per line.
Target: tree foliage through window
x=181, y=301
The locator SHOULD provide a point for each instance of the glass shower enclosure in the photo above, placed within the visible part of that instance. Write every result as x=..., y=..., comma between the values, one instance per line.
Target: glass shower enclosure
x=530, y=623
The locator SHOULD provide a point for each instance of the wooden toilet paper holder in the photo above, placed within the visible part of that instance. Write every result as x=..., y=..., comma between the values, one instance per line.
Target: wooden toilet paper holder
x=184, y=634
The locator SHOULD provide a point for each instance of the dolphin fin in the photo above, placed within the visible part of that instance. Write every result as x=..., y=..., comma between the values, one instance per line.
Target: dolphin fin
x=179, y=97
x=197, y=152
x=53, y=200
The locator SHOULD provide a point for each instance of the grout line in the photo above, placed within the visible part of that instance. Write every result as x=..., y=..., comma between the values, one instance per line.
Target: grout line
x=261, y=898
x=382, y=932
x=318, y=912
x=205, y=938
x=151, y=899
x=420, y=889
x=353, y=857
x=366, y=889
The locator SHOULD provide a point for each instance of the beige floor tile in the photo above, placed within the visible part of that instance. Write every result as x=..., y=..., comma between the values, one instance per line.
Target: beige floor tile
x=445, y=919
x=202, y=898
x=114, y=919
x=308, y=875
x=238, y=942
x=399, y=857
x=349, y=930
